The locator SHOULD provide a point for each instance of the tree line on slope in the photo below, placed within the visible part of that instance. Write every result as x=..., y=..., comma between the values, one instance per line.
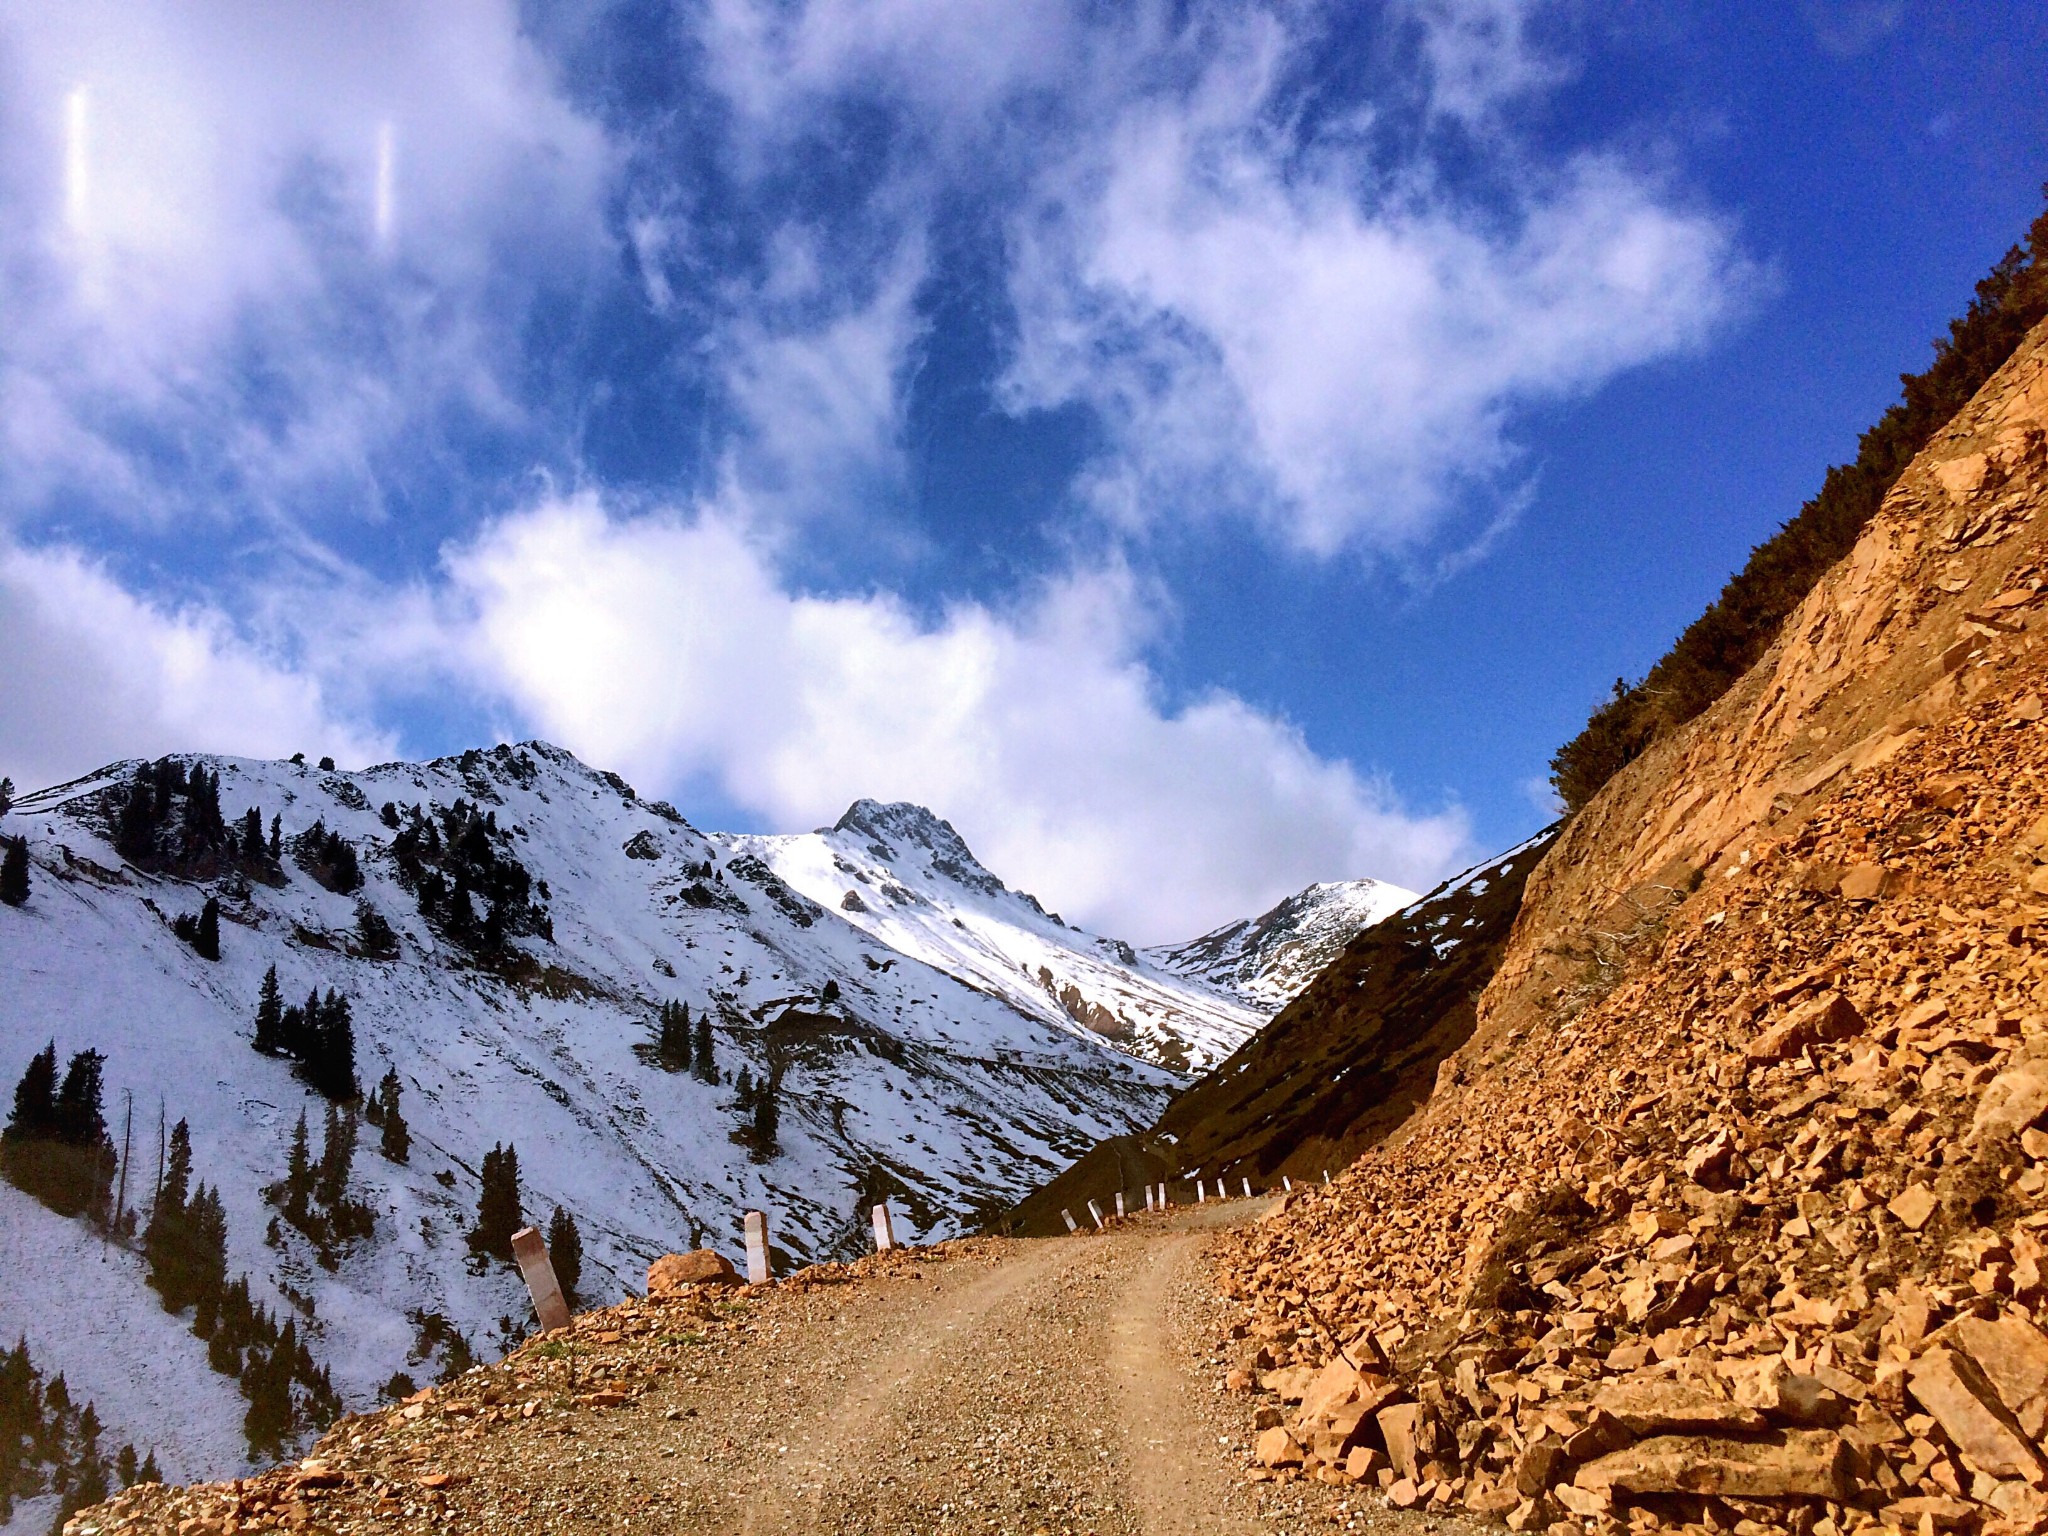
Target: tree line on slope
x=498, y=1216
x=683, y=1043
x=56, y=1147
x=49, y=1444
x=318, y=1038
x=1740, y=625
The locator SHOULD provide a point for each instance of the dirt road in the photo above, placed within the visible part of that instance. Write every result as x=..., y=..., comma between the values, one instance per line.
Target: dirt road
x=1047, y=1391
x=1058, y=1386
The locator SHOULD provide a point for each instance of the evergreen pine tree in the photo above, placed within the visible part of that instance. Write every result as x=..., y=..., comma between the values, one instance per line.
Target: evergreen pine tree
x=565, y=1249
x=35, y=1100
x=85, y=1177
x=204, y=827
x=767, y=1118
x=169, y=1206
x=6, y=795
x=209, y=1247
x=672, y=1041
x=14, y=871
x=331, y=1059
x=300, y=1028
x=276, y=849
x=252, y=836
x=497, y=1207
x=20, y=1404
x=167, y=1240
x=270, y=1016
x=206, y=940
x=125, y=1467
x=396, y=1141
x=298, y=1175
x=267, y=1384
x=150, y=1473
x=337, y=1153
x=135, y=836
x=706, y=1062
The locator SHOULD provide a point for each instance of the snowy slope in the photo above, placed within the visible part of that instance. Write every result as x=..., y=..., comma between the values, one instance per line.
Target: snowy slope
x=1266, y=961
x=908, y=1083
x=904, y=876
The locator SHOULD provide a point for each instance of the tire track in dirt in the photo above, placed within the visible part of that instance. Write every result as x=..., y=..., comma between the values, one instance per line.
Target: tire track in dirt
x=843, y=1456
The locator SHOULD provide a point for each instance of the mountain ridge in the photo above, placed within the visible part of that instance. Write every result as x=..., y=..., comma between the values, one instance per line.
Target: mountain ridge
x=508, y=926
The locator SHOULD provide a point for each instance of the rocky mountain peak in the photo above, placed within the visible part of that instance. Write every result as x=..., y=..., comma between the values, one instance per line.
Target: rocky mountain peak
x=892, y=828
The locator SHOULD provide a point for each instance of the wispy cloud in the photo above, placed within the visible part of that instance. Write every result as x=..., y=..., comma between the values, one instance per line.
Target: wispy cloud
x=246, y=250
x=669, y=647
x=1332, y=348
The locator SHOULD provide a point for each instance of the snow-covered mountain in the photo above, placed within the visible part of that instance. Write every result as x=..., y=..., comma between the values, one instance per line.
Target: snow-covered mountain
x=904, y=876
x=1266, y=961
x=519, y=922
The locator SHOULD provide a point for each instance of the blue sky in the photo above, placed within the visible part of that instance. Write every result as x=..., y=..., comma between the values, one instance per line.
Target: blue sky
x=1197, y=448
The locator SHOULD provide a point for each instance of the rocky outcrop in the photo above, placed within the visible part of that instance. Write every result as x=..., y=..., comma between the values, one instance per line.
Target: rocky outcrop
x=1734, y=1217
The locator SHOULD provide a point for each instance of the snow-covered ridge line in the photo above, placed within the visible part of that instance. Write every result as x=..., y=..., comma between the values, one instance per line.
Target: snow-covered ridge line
x=906, y=878
x=1267, y=960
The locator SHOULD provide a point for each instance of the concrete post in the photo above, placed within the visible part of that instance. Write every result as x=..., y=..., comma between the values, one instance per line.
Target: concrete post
x=885, y=1229
x=1247, y=1189
x=1068, y=1217
x=1326, y=1177
x=1095, y=1211
x=531, y=1250
x=1119, y=1205
x=757, y=1248
x=1148, y=1198
x=1286, y=1184
x=1201, y=1194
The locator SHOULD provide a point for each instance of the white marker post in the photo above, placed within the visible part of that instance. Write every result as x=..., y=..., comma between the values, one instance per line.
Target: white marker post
x=1247, y=1189
x=1326, y=1177
x=885, y=1230
x=1165, y=1195
x=1286, y=1184
x=531, y=1250
x=757, y=1248
x=1096, y=1211
x=1201, y=1194
x=1068, y=1217
x=1148, y=1199
x=1119, y=1205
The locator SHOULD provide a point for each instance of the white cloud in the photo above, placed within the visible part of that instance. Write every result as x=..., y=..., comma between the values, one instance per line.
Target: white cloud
x=1480, y=53
x=1261, y=323
x=667, y=648
x=815, y=375
x=95, y=675
x=248, y=246
x=955, y=60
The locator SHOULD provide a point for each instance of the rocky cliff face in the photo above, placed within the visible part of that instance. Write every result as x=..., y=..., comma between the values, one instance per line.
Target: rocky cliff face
x=1901, y=634
x=1729, y=1213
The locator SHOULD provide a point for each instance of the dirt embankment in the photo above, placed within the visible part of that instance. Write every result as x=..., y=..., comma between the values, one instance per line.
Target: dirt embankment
x=1731, y=1213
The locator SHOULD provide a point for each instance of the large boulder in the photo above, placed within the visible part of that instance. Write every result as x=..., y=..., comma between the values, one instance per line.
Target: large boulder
x=1812, y=1464
x=702, y=1266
